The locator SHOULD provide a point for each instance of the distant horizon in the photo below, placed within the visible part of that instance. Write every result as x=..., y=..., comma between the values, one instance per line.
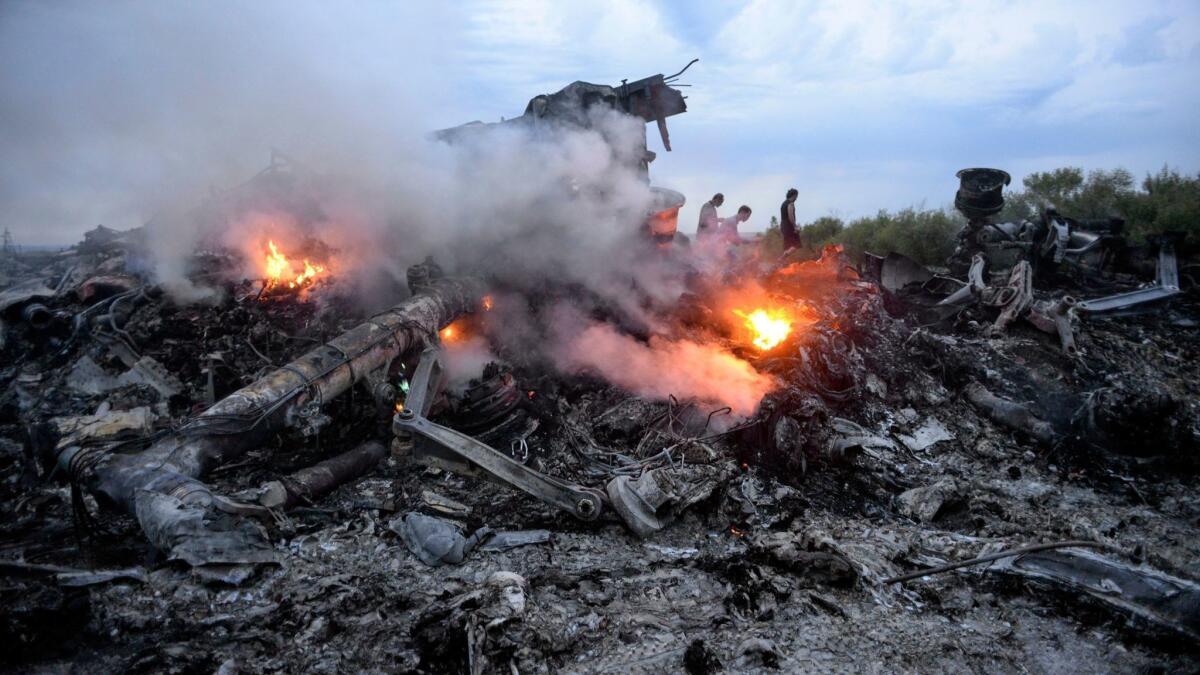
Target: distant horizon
x=750, y=227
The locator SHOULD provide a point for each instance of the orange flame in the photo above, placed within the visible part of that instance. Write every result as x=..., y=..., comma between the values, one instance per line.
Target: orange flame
x=449, y=333
x=768, y=327
x=487, y=303
x=279, y=270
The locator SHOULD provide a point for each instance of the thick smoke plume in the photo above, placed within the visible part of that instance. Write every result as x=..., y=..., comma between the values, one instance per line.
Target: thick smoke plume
x=166, y=110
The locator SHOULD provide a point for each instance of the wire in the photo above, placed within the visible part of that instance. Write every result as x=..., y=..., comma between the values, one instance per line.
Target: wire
x=672, y=77
x=995, y=556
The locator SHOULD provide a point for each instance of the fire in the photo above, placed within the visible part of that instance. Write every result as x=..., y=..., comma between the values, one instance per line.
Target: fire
x=279, y=270
x=277, y=264
x=768, y=327
x=487, y=303
x=449, y=333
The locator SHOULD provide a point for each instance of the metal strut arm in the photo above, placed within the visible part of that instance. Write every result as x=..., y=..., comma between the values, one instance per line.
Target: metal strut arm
x=582, y=502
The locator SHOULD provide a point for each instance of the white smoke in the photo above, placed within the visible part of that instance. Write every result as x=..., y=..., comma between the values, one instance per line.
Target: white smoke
x=661, y=367
x=164, y=106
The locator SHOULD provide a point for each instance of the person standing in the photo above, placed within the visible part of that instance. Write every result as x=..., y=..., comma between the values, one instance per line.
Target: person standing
x=709, y=223
x=729, y=226
x=787, y=221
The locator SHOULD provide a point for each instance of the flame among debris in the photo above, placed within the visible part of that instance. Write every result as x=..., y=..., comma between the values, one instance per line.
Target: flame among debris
x=662, y=368
x=279, y=271
x=450, y=333
x=768, y=327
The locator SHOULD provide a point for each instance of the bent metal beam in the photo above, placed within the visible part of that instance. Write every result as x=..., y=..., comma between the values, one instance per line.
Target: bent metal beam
x=161, y=485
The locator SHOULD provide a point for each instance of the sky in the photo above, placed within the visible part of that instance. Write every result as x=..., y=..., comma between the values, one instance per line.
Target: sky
x=112, y=111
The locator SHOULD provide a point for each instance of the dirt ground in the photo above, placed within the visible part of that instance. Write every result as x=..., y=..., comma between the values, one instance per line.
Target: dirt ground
x=778, y=565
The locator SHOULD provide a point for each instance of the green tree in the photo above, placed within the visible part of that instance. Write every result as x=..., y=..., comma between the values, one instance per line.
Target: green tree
x=1168, y=202
x=1099, y=194
x=821, y=231
x=771, y=244
x=925, y=235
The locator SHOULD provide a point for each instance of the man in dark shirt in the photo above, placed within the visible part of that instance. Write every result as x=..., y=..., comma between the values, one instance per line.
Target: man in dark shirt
x=708, y=217
x=787, y=221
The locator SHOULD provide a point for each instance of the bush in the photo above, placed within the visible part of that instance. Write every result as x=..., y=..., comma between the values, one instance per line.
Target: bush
x=822, y=231
x=1167, y=201
x=926, y=236
x=771, y=244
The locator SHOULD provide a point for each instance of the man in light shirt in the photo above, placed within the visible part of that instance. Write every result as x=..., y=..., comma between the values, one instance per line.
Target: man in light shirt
x=709, y=223
x=729, y=226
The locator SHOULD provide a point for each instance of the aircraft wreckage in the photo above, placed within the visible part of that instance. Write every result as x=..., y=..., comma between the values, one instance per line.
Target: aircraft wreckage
x=985, y=466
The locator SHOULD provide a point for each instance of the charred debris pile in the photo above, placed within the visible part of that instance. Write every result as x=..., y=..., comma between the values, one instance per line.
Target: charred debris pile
x=276, y=479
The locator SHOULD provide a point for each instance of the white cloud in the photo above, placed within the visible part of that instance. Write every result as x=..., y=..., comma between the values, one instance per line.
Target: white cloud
x=944, y=53
x=858, y=104
x=531, y=47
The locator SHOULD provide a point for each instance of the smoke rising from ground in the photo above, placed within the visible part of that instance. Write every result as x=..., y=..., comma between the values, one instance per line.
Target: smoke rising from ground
x=130, y=113
x=662, y=367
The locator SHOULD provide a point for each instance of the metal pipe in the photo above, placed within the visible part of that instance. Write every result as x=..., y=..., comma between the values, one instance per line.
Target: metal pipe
x=37, y=315
x=248, y=417
x=312, y=483
x=1010, y=414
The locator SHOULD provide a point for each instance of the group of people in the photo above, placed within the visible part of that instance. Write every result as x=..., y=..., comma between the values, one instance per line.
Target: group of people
x=724, y=229
x=712, y=227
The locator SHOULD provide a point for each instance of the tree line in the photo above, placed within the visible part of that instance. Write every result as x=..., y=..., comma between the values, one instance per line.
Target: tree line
x=1167, y=201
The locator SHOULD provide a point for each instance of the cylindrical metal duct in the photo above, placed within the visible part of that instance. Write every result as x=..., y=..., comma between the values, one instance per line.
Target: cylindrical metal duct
x=248, y=417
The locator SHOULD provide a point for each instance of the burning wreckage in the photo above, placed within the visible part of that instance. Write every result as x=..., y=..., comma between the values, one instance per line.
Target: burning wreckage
x=323, y=489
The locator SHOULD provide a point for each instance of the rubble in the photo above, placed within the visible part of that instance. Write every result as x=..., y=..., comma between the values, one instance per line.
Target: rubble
x=283, y=480
x=924, y=504
x=436, y=541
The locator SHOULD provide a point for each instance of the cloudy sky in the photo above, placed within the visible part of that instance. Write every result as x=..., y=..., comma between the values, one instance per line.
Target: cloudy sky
x=107, y=107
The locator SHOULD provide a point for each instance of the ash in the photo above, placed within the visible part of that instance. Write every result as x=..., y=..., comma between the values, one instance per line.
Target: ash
x=890, y=441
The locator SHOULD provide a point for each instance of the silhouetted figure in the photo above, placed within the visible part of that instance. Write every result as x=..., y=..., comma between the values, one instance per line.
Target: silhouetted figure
x=787, y=221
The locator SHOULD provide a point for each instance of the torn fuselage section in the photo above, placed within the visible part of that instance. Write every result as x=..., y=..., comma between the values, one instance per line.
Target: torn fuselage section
x=651, y=99
x=162, y=485
x=584, y=106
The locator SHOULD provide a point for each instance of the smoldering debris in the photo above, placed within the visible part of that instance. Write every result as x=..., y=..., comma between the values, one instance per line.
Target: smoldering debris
x=509, y=457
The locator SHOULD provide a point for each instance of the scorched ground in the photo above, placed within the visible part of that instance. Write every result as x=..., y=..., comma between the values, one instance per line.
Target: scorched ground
x=868, y=453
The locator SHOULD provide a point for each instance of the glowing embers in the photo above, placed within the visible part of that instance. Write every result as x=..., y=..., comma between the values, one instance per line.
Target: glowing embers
x=279, y=273
x=451, y=333
x=768, y=327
